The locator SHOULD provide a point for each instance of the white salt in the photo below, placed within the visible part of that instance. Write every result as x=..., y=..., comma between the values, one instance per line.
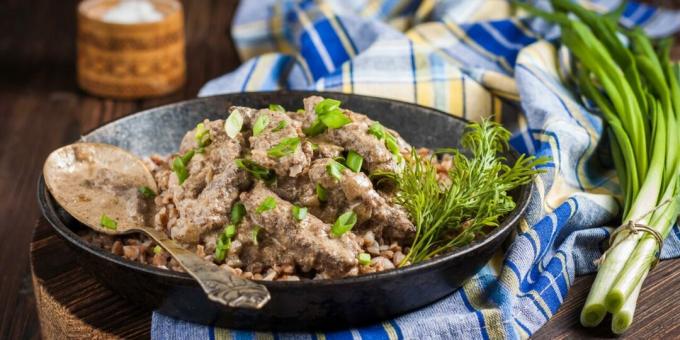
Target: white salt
x=132, y=12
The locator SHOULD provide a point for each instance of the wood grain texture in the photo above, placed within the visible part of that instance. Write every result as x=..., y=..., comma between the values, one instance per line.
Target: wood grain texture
x=42, y=108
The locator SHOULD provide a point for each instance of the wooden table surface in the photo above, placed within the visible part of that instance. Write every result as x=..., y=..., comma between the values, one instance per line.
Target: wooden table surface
x=42, y=108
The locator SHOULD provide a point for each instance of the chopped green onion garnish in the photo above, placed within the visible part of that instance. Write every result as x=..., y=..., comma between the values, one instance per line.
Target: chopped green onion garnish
x=202, y=135
x=329, y=115
x=230, y=231
x=316, y=129
x=157, y=250
x=344, y=223
x=179, y=166
x=269, y=203
x=276, y=107
x=321, y=193
x=186, y=158
x=286, y=147
x=200, y=149
x=300, y=111
x=354, y=161
x=220, y=253
x=224, y=243
x=327, y=105
x=146, y=192
x=180, y=170
x=391, y=145
x=364, y=259
x=335, y=169
x=334, y=119
x=260, y=124
x=256, y=230
x=299, y=213
x=221, y=249
x=282, y=124
x=256, y=170
x=233, y=124
x=377, y=130
x=315, y=146
x=108, y=222
x=238, y=211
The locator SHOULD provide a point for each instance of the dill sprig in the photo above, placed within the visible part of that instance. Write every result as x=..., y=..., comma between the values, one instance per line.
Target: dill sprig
x=452, y=213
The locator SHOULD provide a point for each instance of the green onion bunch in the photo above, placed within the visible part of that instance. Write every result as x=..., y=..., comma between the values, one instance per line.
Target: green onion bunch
x=635, y=86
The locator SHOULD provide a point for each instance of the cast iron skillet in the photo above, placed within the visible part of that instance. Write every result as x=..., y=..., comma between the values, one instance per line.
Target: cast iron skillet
x=304, y=305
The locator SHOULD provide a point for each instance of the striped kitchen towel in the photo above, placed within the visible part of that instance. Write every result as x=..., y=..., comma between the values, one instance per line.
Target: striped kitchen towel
x=471, y=59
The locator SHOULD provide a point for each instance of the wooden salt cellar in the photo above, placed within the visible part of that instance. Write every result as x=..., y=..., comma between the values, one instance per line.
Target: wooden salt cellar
x=128, y=61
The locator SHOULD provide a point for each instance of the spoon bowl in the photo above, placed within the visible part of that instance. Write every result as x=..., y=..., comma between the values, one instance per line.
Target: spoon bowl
x=100, y=186
x=91, y=180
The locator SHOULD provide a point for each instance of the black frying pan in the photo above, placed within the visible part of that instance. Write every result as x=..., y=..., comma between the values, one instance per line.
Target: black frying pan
x=300, y=305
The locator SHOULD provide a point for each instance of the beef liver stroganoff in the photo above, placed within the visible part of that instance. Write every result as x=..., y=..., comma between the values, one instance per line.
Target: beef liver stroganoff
x=276, y=195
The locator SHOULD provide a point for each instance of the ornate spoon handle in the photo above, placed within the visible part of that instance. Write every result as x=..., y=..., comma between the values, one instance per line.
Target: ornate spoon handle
x=220, y=285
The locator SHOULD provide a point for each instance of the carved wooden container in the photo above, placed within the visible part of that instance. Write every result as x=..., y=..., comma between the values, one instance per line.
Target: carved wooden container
x=130, y=61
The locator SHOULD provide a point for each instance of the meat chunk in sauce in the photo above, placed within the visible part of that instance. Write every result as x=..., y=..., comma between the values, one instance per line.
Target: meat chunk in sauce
x=354, y=191
x=196, y=211
x=355, y=136
x=307, y=242
x=205, y=198
x=278, y=128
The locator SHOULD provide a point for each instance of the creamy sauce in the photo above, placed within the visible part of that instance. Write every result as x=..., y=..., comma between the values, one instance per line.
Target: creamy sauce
x=89, y=182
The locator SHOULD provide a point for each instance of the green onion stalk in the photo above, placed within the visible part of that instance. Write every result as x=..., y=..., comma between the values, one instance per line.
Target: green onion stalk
x=634, y=85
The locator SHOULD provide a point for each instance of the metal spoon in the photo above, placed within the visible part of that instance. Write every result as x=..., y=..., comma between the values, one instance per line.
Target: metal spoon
x=93, y=182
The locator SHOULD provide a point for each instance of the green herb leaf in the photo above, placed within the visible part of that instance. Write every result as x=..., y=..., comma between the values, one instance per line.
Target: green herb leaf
x=238, y=211
x=335, y=169
x=316, y=129
x=202, y=135
x=354, y=161
x=282, y=124
x=364, y=259
x=300, y=111
x=299, y=213
x=256, y=170
x=146, y=192
x=474, y=198
x=269, y=203
x=260, y=124
x=321, y=193
x=276, y=107
x=286, y=147
x=233, y=124
x=344, y=223
x=108, y=222
x=157, y=250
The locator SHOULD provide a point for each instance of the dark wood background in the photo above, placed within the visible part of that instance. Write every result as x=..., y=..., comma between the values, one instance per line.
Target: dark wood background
x=42, y=108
